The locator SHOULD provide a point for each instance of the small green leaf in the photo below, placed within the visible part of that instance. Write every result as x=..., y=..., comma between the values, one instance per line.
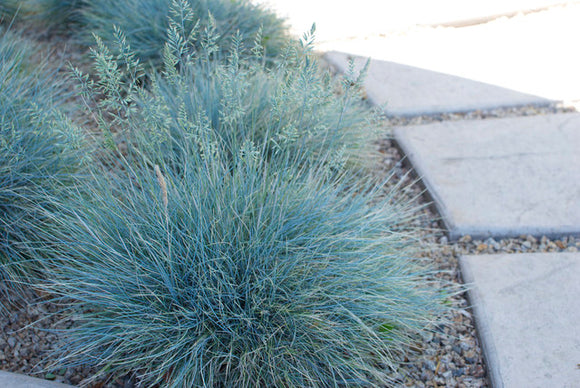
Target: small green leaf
x=386, y=328
x=50, y=376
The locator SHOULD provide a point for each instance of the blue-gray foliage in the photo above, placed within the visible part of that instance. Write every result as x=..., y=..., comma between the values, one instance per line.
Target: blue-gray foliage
x=59, y=15
x=294, y=113
x=38, y=145
x=238, y=276
x=146, y=22
x=215, y=249
x=224, y=241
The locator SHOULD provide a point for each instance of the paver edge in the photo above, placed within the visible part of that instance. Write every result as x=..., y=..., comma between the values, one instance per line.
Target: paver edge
x=332, y=59
x=26, y=381
x=404, y=139
x=445, y=216
x=484, y=333
x=406, y=113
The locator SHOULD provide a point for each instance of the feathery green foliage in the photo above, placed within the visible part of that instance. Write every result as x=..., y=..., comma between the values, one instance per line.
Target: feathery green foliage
x=292, y=113
x=146, y=22
x=37, y=144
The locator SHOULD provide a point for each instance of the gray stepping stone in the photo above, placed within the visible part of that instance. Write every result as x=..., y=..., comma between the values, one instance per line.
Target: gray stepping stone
x=501, y=177
x=527, y=310
x=14, y=380
x=411, y=91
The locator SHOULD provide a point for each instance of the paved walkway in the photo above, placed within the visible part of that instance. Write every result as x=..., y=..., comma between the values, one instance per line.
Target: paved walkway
x=527, y=310
x=501, y=177
x=410, y=91
x=495, y=177
x=340, y=20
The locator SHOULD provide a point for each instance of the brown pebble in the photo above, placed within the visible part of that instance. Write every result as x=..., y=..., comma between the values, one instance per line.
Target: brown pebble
x=465, y=239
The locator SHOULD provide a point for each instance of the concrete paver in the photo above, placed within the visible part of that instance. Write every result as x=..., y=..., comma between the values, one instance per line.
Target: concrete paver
x=501, y=177
x=14, y=380
x=527, y=309
x=409, y=91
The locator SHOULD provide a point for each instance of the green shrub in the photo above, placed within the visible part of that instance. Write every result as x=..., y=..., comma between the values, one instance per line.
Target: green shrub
x=145, y=22
x=241, y=276
x=37, y=144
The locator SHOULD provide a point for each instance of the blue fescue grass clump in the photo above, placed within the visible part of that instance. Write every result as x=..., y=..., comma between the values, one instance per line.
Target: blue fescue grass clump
x=217, y=250
x=293, y=112
x=146, y=22
x=223, y=241
x=55, y=15
x=61, y=15
x=38, y=145
x=238, y=276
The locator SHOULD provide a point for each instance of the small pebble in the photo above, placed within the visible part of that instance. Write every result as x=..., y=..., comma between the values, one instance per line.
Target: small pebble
x=11, y=341
x=430, y=365
x=458, y=372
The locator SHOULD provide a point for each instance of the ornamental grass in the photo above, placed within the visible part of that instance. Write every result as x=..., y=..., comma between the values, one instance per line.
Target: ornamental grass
x=146, y=22
x=230, y=235
x=39, y=147
x=238, y=275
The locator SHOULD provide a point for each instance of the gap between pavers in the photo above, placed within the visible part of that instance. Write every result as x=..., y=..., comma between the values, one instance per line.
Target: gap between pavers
x=500, y=177
x=410, y=91
x=14, y=380
x=527, y=310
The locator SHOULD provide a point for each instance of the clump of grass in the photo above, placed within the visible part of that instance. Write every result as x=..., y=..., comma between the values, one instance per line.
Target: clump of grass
x=146, y=22
x=292, y=113
x=8, y=9
x=238, y=276
x=38, y=145
x=61, y=15
x=217, y=251
x=55, y=15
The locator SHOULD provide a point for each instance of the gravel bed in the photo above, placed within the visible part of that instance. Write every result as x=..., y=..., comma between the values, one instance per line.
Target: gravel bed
x=29, y=338
x=451, y=355
x=527, y=110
